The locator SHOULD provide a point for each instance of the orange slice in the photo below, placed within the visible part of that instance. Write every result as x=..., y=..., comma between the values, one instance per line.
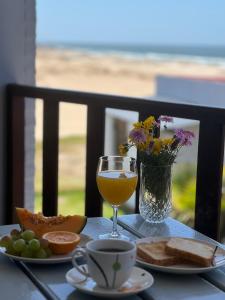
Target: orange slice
x=62, y=242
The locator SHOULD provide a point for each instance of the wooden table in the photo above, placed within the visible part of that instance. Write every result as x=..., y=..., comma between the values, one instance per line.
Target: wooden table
x=48, y=281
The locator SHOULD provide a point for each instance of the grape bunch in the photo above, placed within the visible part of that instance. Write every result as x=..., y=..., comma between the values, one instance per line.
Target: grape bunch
x=25, y=244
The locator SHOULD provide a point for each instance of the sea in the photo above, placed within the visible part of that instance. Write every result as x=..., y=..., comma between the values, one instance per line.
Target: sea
x=213, y=55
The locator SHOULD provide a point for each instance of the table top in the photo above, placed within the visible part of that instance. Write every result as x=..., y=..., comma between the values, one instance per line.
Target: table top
x=33, y=281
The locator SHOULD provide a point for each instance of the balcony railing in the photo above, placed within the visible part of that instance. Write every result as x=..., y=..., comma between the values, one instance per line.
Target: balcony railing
x=210, y=148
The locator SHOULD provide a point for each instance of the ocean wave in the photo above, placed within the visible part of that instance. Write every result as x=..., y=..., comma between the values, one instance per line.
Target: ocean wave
x=138, y=53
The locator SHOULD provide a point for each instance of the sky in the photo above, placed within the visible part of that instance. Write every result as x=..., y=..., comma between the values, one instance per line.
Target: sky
x=151, y=22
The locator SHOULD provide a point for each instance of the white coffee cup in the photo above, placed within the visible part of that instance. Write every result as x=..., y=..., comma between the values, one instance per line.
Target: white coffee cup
x=109, y=262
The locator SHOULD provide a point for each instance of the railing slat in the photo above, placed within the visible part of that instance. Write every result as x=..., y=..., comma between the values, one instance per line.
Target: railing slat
x=209, y=178
x=94, y=149
x=176, y=109
x=50, y=157
x=15, y=156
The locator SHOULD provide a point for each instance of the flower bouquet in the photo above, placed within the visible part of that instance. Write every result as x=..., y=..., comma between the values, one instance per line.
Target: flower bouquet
x=157, y=154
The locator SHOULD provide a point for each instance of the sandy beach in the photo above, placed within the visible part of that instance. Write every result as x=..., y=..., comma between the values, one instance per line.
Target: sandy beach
x=67, y=69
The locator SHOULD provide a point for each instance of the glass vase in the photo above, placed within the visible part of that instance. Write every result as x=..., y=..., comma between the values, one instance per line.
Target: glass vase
x=155, y=192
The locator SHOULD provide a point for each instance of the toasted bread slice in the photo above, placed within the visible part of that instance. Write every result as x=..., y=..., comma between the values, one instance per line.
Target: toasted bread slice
x=154, y=253
x=194, y=251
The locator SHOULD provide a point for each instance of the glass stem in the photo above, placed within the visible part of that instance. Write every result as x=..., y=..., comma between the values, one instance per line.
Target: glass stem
x=115, y=233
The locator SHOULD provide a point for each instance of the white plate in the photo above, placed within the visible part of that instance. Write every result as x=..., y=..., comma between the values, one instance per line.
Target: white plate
x=138, y=281
x=54, y=259
x=219, y=259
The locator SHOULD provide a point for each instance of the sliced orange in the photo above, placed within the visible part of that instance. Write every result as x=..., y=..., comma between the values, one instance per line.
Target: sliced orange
x=62, y=242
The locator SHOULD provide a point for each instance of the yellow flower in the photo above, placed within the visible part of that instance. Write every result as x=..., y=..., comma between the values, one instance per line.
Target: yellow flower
x=157, y=146
x=167, y=141
x=149, y=122
x=149, y=139
x=142, y=146
x=137, y=125
x=123, y=149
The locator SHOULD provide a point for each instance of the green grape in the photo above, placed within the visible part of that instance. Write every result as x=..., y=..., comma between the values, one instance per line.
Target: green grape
x=44, y=243
x=27, y=235
x=41, y=253
x=5, y=241
x=48, y=252
x=19, y=245
x=10, y=249
x=34, y=245
x=27, y=252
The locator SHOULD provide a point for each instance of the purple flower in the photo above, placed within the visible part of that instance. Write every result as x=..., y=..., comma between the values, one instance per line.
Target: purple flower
x=184, y=136
x=166, y=119
x=137, y=135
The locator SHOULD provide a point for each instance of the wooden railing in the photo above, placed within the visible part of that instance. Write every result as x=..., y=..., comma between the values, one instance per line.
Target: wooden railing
x=210, y=148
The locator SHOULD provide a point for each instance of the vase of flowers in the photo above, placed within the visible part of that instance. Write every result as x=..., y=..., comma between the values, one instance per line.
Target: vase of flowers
x=157, y=155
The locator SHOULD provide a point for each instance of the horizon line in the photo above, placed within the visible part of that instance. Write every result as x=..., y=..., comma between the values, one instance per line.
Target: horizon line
x=90, y=43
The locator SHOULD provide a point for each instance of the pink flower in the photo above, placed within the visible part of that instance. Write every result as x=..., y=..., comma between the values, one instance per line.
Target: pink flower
x=184, y=137
x=137, y=135
x=166, y=119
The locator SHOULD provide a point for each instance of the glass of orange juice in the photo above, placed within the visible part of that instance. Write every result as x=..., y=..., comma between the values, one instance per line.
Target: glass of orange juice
x=116, y=179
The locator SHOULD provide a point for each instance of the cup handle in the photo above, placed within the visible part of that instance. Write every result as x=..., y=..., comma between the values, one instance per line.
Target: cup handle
x=80, y=252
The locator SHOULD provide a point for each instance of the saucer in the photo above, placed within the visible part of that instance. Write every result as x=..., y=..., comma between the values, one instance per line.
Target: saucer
x=138, y=281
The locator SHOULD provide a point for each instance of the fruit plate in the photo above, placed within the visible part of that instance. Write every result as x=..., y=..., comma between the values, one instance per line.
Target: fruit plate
x=54, y=259
x=187, y=268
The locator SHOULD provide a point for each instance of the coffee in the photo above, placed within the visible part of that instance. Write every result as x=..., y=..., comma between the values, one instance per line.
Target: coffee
x=111, y=250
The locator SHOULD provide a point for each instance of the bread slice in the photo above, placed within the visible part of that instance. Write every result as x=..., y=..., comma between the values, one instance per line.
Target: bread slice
x=194, y=251
x=154, y=253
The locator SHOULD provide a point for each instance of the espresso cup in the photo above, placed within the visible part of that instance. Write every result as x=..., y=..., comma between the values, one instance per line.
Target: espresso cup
x=109, y=262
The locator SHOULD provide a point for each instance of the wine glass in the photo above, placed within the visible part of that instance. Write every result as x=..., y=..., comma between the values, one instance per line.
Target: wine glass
x=116, y=180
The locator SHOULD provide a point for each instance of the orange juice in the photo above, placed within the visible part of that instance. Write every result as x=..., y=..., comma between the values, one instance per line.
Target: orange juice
x=116, y=187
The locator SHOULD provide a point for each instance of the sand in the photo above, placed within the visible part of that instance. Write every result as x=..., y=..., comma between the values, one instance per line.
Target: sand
x=59, y=68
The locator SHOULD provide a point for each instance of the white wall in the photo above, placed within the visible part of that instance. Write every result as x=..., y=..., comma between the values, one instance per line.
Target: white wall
x=17, y=65
x=187, y=90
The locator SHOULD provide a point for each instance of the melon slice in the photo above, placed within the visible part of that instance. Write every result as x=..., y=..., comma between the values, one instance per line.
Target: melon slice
x=41, y=224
